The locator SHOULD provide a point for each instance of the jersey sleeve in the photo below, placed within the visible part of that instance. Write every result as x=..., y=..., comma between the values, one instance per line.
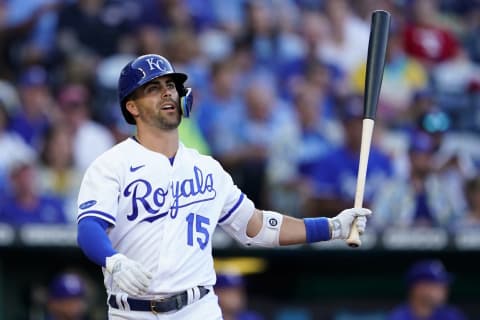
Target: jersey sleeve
x=99, y=192
x=238, y=208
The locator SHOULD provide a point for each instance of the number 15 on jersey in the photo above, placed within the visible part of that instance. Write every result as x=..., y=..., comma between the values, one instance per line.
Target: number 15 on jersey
x=197, y=225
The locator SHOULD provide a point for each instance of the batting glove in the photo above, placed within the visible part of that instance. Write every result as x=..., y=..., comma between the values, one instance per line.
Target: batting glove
x=129, y=275
x=341, y=224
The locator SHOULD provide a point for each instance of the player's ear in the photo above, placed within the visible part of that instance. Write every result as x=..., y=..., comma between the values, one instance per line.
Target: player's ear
x=131, y=107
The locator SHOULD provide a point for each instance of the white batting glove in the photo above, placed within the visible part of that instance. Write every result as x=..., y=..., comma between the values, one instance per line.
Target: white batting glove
x=341, y=224
x=129, y=275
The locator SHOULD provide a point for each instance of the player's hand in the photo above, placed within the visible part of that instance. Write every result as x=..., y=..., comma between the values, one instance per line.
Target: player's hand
x=341, y=224
x=129, y=275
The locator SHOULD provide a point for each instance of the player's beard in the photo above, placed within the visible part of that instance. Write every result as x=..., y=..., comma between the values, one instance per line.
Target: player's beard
x=158, y=118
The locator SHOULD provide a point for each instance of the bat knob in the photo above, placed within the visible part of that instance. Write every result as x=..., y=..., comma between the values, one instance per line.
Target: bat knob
x=354, y=244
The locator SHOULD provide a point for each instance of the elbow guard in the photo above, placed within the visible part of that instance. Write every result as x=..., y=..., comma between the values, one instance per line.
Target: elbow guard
x=269, y=234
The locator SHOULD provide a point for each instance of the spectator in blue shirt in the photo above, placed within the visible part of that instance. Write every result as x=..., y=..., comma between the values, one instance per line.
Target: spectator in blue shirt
x=428, y=285
x=334, y=176
x=24, y=204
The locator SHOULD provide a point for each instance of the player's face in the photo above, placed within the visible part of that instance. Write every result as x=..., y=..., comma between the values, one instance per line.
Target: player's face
x=158, y=104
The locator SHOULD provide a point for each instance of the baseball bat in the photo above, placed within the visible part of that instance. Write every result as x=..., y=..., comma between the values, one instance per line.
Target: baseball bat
x=377, y=47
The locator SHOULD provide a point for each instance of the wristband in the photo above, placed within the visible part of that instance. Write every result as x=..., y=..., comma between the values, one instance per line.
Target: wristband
x=317, y=229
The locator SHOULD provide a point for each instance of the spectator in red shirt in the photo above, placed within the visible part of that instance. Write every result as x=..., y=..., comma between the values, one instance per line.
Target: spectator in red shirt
x=425, y=38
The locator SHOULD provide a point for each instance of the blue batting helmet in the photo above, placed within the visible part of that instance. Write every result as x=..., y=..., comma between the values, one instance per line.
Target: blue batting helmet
x=144, y=69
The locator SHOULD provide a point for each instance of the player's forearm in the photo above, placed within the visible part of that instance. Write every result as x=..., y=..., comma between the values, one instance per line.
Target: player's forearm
x=298, y=231
x=292, y=231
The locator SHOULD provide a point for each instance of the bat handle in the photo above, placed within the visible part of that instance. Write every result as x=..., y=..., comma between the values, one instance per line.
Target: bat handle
x=353, y=239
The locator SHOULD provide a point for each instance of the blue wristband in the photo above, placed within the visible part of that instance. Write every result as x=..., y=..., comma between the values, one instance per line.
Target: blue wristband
x=317, y=229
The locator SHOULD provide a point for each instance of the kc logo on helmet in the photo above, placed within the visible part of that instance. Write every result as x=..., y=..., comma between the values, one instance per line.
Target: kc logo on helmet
x=159, y=64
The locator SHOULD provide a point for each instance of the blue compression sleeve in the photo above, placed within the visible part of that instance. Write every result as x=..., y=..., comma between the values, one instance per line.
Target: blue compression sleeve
x=93, y=239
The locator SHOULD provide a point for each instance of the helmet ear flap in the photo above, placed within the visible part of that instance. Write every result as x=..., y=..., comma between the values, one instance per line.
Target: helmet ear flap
x=186, y=102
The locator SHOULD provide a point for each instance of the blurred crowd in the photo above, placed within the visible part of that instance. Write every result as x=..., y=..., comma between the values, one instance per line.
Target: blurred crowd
x=278, y=87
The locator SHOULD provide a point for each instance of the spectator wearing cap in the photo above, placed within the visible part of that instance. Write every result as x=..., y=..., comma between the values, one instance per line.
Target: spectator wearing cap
x=38, y=108
x=232, y=297
x=427, y=288
x=90, y=138
x=24, y=203
x=421, y=199
x=67, y=299
x=334, y=176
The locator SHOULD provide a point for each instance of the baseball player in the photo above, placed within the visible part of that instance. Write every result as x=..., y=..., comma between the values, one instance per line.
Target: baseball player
x=148, y=207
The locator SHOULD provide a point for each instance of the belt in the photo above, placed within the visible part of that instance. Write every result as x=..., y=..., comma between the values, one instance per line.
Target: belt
x=171, y=303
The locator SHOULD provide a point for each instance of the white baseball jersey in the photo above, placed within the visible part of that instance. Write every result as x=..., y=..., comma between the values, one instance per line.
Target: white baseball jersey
x=163, y=214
